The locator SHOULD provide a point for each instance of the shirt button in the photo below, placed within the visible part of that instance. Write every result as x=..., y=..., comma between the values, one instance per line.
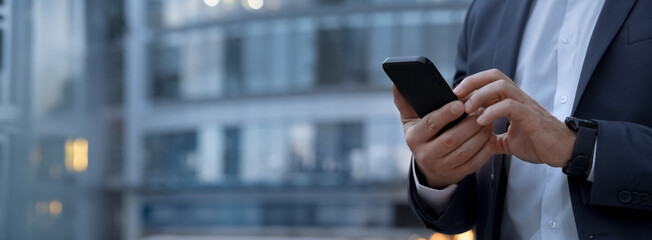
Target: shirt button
x=567, y=39
x=552, y=224
x=563, y=99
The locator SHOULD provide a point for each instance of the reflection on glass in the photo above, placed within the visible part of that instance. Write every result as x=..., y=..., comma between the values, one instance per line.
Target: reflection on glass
x=202, y=64
x=302, y=147
x=57, y=60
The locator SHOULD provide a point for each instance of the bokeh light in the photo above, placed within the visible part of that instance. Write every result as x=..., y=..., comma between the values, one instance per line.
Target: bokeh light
x=55, y=207
x=255, y=4
x=212, y=3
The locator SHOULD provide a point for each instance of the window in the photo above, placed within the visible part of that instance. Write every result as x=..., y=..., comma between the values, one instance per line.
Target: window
x=341, y=52
x=197, y=213
x=171, y=158
x=164, y=70
x=232, y=152
x=335, y=146
x=233, y=66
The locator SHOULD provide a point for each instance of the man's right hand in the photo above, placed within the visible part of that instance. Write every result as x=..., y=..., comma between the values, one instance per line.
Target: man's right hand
x=447, y=158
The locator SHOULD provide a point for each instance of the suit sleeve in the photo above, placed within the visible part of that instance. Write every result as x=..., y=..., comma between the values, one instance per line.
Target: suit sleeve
x=460, y=215
x=623, y=167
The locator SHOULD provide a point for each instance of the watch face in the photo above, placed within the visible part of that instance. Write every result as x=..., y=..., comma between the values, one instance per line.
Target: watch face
x=575, y=123
x=571, y=123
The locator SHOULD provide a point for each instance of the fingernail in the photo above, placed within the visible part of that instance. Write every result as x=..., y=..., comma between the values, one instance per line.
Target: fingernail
x=467, y=106
x=456, y=108
x=480, y=120
x=457, y=90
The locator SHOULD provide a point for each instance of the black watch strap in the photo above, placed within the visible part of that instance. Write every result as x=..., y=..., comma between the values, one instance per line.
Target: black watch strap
x=580, y=163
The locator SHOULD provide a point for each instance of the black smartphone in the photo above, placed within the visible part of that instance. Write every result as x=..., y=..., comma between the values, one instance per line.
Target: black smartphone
x=421, y=84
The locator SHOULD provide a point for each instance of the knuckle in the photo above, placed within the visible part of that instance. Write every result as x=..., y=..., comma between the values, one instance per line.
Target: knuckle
x=431, y=123
x=495, y=71
x=511, y=103
x=502, y=83
x=462, y=155
x=449, y=141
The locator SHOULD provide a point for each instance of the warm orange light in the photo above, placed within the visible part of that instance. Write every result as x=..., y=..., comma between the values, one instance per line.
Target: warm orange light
x=76, y=155
x=55, y=207
x=468, y=235
x=80, y=157
x=439, y=236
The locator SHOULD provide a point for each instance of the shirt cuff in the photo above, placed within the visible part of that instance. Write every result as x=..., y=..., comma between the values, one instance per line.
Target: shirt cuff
x=438, y=200
x=595, y=150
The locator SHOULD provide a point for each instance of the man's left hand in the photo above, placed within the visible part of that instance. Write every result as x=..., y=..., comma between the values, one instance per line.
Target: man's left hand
x=534, y=135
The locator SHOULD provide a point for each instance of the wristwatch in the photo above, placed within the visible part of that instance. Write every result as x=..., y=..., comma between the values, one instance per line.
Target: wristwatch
x=579, y=166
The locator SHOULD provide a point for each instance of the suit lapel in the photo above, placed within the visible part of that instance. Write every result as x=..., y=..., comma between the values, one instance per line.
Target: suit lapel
x=513, y=20
x=612, y=17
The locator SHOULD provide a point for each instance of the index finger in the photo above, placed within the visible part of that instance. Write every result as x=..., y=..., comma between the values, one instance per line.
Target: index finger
x=478, y=80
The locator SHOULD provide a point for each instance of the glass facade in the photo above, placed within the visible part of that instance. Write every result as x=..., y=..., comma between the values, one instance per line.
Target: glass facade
x=280, y=154
x=232, y=119
x=294, y=54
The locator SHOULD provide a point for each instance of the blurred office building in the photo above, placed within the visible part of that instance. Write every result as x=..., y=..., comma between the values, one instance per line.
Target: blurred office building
x=210, y=119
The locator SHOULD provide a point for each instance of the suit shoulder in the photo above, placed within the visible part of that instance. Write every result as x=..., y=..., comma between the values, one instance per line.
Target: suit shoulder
x=484, y=13
x=487, y=7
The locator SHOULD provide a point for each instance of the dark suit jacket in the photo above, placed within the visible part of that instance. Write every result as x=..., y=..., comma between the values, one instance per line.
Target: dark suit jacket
x=615, y=89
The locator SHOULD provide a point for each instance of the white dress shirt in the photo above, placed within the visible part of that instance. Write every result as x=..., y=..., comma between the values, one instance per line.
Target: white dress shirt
x=555, y=41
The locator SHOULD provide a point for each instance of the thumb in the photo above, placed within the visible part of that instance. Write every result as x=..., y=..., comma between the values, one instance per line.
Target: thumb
x=404, y=108
x=501, y=144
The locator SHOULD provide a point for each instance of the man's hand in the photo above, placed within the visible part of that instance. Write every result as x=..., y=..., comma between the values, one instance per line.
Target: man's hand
x=449, y=157
x=534, y=135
